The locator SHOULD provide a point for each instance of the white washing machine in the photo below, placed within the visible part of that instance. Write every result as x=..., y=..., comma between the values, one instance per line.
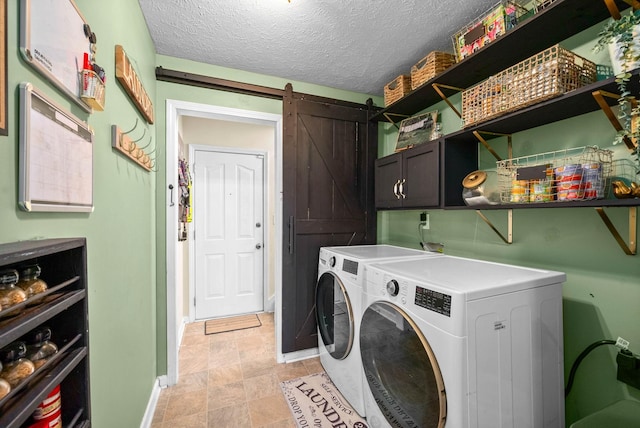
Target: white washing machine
x=462, y=343
x=338, y=311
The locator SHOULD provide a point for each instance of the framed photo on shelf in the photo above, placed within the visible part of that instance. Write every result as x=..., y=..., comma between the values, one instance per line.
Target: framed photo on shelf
x=417, y=129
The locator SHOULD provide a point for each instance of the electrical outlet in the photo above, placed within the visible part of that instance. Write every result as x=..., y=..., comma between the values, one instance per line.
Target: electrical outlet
x=628, y=368
x=424, y=220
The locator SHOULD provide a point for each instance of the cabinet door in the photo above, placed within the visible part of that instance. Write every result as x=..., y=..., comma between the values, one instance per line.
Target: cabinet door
x=388, y=175
x=421, y=176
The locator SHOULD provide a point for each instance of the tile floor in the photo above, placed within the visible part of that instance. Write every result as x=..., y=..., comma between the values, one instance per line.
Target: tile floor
x=230, y=380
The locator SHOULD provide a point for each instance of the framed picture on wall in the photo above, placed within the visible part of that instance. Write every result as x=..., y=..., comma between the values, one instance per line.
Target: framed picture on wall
x=3, y=68
x=417, y=129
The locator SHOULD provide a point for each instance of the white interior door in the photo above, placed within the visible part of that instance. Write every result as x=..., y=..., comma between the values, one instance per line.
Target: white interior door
x=228, y=215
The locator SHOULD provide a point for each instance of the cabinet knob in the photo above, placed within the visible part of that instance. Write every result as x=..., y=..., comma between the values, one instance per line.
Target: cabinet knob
x=401, y=189
x=395, y=189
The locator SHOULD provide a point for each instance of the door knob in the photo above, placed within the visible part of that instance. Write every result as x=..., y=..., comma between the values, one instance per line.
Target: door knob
x=258, y=246
x=258, y=224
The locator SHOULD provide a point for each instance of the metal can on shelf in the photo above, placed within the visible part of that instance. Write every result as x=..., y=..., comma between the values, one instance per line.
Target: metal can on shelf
x=520, y=191
x=49, y=411
x=593, y=181
x=540, y=191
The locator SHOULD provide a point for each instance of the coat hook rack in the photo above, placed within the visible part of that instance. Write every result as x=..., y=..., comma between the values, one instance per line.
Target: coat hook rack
x=128, y=147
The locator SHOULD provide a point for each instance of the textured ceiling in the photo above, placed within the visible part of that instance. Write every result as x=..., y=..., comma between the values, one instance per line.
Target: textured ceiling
x=356, y=45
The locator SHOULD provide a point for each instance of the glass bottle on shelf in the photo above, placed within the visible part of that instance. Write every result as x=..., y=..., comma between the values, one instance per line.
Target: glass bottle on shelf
x=5, y=388
x=30, y=280
x=40, y=347
x=10, y=294
x=15, y=366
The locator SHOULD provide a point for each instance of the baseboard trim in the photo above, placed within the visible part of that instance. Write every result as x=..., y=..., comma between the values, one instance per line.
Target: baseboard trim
x=181, y=329
x=291, y=357
x=151, y=405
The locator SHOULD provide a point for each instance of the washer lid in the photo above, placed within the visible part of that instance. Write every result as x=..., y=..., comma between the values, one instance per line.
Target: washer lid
x=375, y=252
x=473, y=278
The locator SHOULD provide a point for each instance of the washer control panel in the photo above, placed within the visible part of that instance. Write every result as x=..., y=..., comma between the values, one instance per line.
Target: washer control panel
x=350, y=266
x=433, y=301
x=393, y=288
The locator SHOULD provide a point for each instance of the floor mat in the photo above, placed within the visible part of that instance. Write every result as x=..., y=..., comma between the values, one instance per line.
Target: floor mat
x=314, y=401
x=233, y=323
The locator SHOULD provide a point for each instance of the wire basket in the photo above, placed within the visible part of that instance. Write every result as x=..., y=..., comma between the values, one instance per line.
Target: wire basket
x=486, y=28
x=92, y=89
x=580, y=173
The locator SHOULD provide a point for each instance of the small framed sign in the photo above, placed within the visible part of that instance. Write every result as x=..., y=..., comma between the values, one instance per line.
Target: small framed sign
x=417, y=129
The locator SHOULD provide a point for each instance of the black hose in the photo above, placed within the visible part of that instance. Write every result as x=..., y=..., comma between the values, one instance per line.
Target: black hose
x=576, y=363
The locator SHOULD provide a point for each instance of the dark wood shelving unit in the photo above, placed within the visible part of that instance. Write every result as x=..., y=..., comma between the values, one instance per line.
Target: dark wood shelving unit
x=557, y=22
x=591, y=203
x=64, y=310
x=565, y=106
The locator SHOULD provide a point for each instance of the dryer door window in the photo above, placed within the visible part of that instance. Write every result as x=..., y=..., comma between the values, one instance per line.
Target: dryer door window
x=334, y=316
x=400, y=368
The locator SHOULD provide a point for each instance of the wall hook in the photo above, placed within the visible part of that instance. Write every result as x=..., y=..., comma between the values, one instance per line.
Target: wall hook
x=143, y=134
x=149, y=143
x=130, y=149
x=131, y=130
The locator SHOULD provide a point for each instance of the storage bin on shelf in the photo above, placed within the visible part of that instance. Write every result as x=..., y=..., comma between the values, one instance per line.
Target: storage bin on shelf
x=483, y=30
x=546, y=75
x=580, y=173
x=396, y=89
x=431, y=65
x=92, y=89
x=543, y=4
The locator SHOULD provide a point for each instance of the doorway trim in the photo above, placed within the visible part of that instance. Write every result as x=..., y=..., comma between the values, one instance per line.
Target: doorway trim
x=266, y=221
x=175, y=109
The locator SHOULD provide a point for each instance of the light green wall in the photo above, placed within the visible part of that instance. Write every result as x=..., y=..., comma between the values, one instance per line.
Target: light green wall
x=602, y=292
x=120, y=232
x=126, y=242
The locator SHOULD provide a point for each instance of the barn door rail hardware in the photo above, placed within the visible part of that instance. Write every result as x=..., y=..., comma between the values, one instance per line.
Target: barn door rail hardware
x=630, y=249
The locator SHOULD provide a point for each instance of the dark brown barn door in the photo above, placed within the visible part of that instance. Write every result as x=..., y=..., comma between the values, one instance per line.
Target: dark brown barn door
x=329, y=151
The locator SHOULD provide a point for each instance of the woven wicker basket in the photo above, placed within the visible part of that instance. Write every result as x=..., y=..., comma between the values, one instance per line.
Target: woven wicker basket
x=550, y=73
x=396, y=89
x=430, y=66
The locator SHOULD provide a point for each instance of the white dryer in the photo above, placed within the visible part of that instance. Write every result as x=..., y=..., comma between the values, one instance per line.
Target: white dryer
x=338, y=311
x=462, y=343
